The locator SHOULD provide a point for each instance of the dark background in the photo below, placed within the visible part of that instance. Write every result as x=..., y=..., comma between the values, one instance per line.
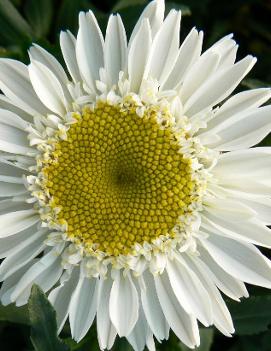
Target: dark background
x=25, y=21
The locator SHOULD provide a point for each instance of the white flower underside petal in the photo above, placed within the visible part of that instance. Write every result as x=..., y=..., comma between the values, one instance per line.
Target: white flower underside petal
x=152, y=308
x=241, y=260
x=15, y=84
x=189, y=52
x=242, y=130
x=141, y=334
x=12, y=243
x=23, y=287
x=164, y=49
x=83, y=307
x=89, y=61
x=7, y=104
x=105, y=329
x=68, y=45
x=123, y=304
x=183, y=325
x=60, y=297
x=47, y=87
x=218, y=87
x=138, y=55
x=222, y=317
x=230, y=286
x=154, y=12
x=241, y=102
x=115, y=49
x=23, y=253
x=189, y=291
x=14, y=222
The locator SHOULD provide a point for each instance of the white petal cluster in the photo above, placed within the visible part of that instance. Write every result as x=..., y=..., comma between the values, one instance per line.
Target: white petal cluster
x=180, y=285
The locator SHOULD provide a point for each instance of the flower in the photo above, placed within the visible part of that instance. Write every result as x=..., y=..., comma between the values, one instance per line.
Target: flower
x=130, y=191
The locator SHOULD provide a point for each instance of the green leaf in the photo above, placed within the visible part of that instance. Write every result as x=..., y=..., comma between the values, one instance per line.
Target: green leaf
x=251, y=316
x=14, y=314
x=14, y=28
x=206, y=340
x=43, y=323
x=68, y=14
x=123, y=4
x=39, y=14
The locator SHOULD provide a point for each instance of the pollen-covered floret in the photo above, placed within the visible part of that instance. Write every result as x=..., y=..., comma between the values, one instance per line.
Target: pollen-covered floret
x=119, y=179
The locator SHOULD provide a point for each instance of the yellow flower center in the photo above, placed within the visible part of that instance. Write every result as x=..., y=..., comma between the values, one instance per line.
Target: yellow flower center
x=118, y=179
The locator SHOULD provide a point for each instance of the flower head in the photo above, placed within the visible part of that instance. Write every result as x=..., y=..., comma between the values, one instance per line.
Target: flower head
x=129, y=188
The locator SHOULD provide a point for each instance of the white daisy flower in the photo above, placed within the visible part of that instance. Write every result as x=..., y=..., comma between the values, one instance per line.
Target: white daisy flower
x=129, y=189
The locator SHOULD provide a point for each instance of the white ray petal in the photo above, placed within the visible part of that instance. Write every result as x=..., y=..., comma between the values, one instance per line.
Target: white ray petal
x=13, y=243
x=183, y=325
x=241, y=260
x=37, y=53
x=219, y=86
x=230, y=286
x=251, y=231
x=189, y=291
x=222, y=317
x=23, y=253
x=12, y=205
x=15, y=84
x=14, y=222
x=89, y=60
x=7, y=104
x=11, y=119
x=189, y=53
x=10, y=283
x=152, y=308
x=202, y=69
x=138, y=55
x=164, y=49
x=141, y=334
x=241, y=102
x=11, y=189
x=248, y=163
x=242, y=130
x=154, y=12
x=68, y=45
x=105, y=329
x=123, y=304
x=23, y=287
x=60, y=297
x=83, y=307
x=45, y=280
x=47, y=87
x=115, y=49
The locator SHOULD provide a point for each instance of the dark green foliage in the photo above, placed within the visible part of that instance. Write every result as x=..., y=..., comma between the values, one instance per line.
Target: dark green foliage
x=43, y=323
